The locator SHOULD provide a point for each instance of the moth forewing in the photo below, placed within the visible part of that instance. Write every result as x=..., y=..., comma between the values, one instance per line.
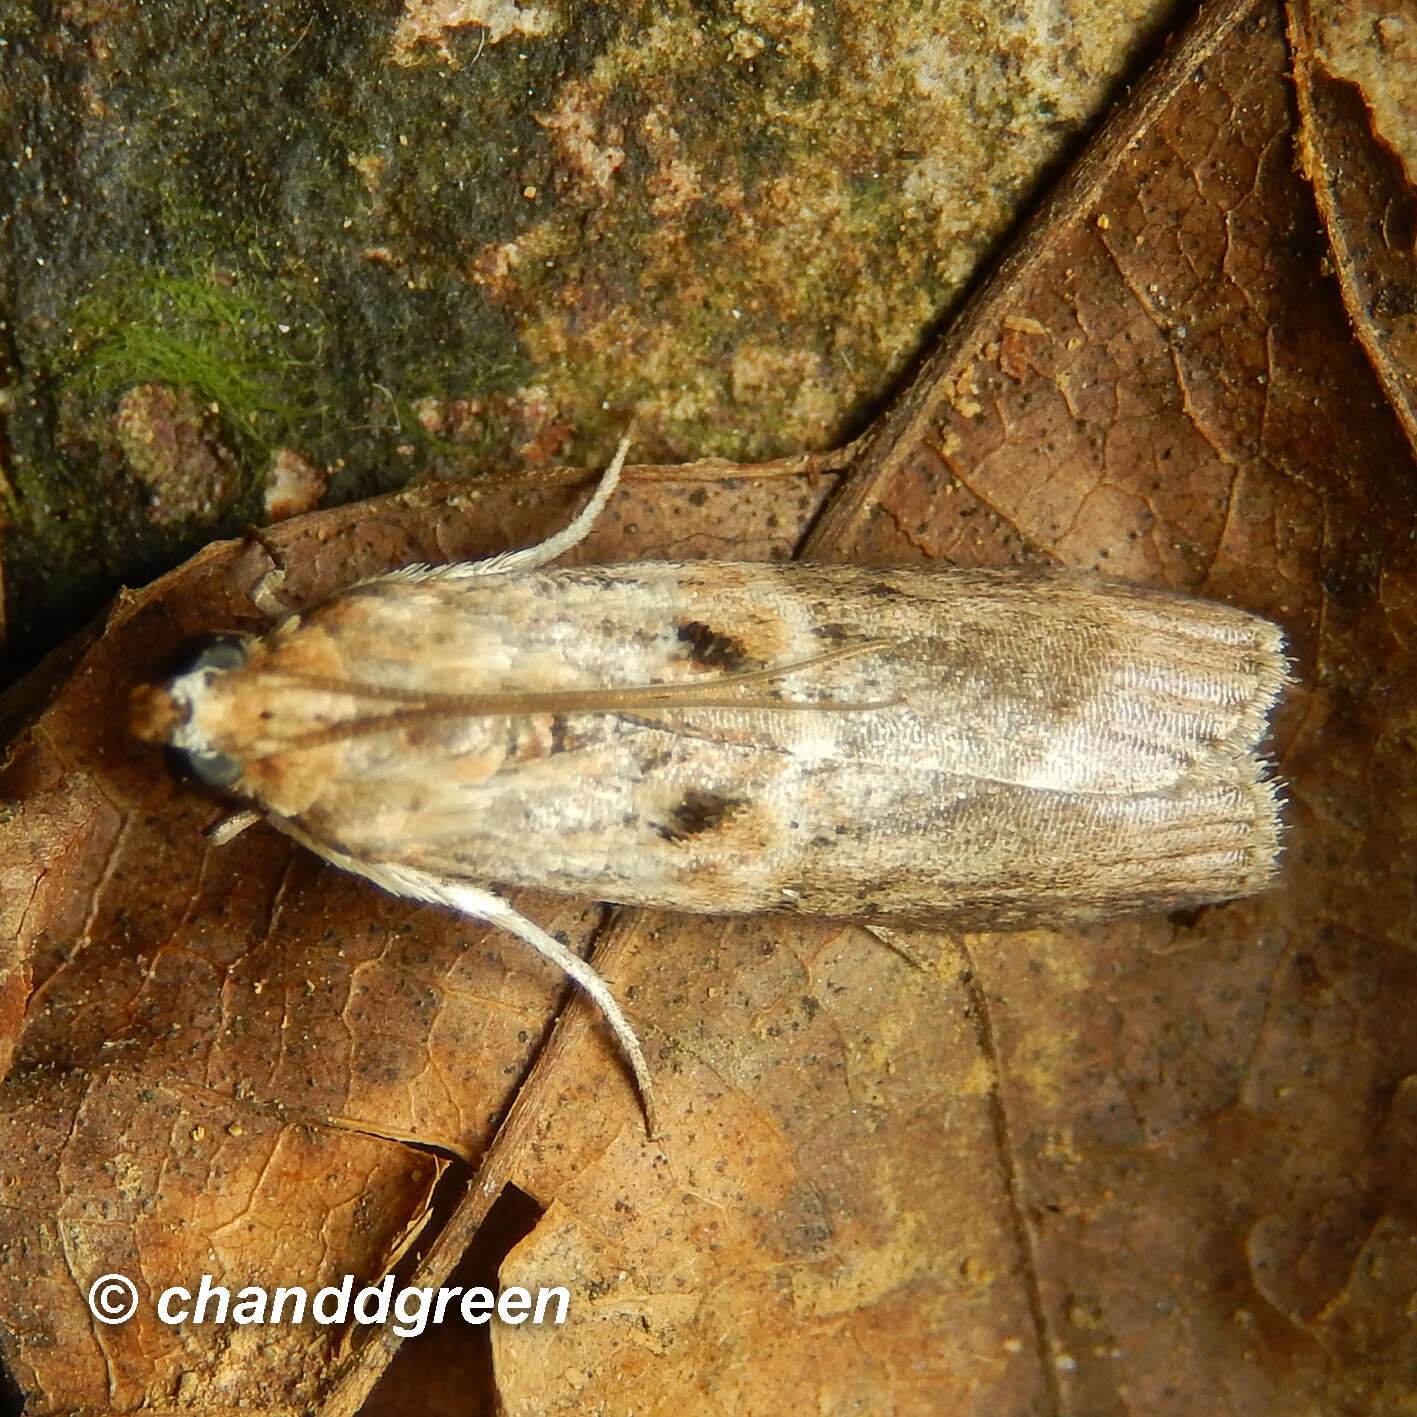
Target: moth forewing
x=980, y=748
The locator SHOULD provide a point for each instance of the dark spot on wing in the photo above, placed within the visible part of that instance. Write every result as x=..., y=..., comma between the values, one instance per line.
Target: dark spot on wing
x=560, y=735
x=881, y=590
x=697, y=813
x=710, y=648
x=527, y=738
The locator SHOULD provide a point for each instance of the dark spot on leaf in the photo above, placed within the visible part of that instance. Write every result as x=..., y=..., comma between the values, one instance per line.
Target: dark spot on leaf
x=1354, y=579
x=1393, y=300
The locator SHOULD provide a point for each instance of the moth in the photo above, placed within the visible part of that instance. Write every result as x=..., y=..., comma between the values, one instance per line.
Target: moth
x=977, y=748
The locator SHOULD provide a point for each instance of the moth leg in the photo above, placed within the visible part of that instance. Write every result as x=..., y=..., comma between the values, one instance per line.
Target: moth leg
x=894, y=940
x=528, y=558
x=231, y=826
x=484, y=905
x=467, y=899
x=267, y=594
x=497, y=912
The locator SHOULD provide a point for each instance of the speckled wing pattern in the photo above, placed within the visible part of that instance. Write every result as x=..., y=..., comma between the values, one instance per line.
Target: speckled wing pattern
x=994, y=748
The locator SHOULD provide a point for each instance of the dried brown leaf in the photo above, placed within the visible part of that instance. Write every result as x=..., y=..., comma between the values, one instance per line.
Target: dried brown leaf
x=1161, y=1167
x=233, y=1061
x=1355, y=72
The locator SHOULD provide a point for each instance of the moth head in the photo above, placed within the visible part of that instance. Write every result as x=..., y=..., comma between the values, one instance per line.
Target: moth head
x=162, y=713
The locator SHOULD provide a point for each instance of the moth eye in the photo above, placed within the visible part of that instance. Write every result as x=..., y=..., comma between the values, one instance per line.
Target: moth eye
x=210, y=769
x=220, y=652
x=206, y=653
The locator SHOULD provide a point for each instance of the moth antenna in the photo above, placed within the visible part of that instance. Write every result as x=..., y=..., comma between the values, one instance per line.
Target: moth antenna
x=681, y=693
x=422, y=707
